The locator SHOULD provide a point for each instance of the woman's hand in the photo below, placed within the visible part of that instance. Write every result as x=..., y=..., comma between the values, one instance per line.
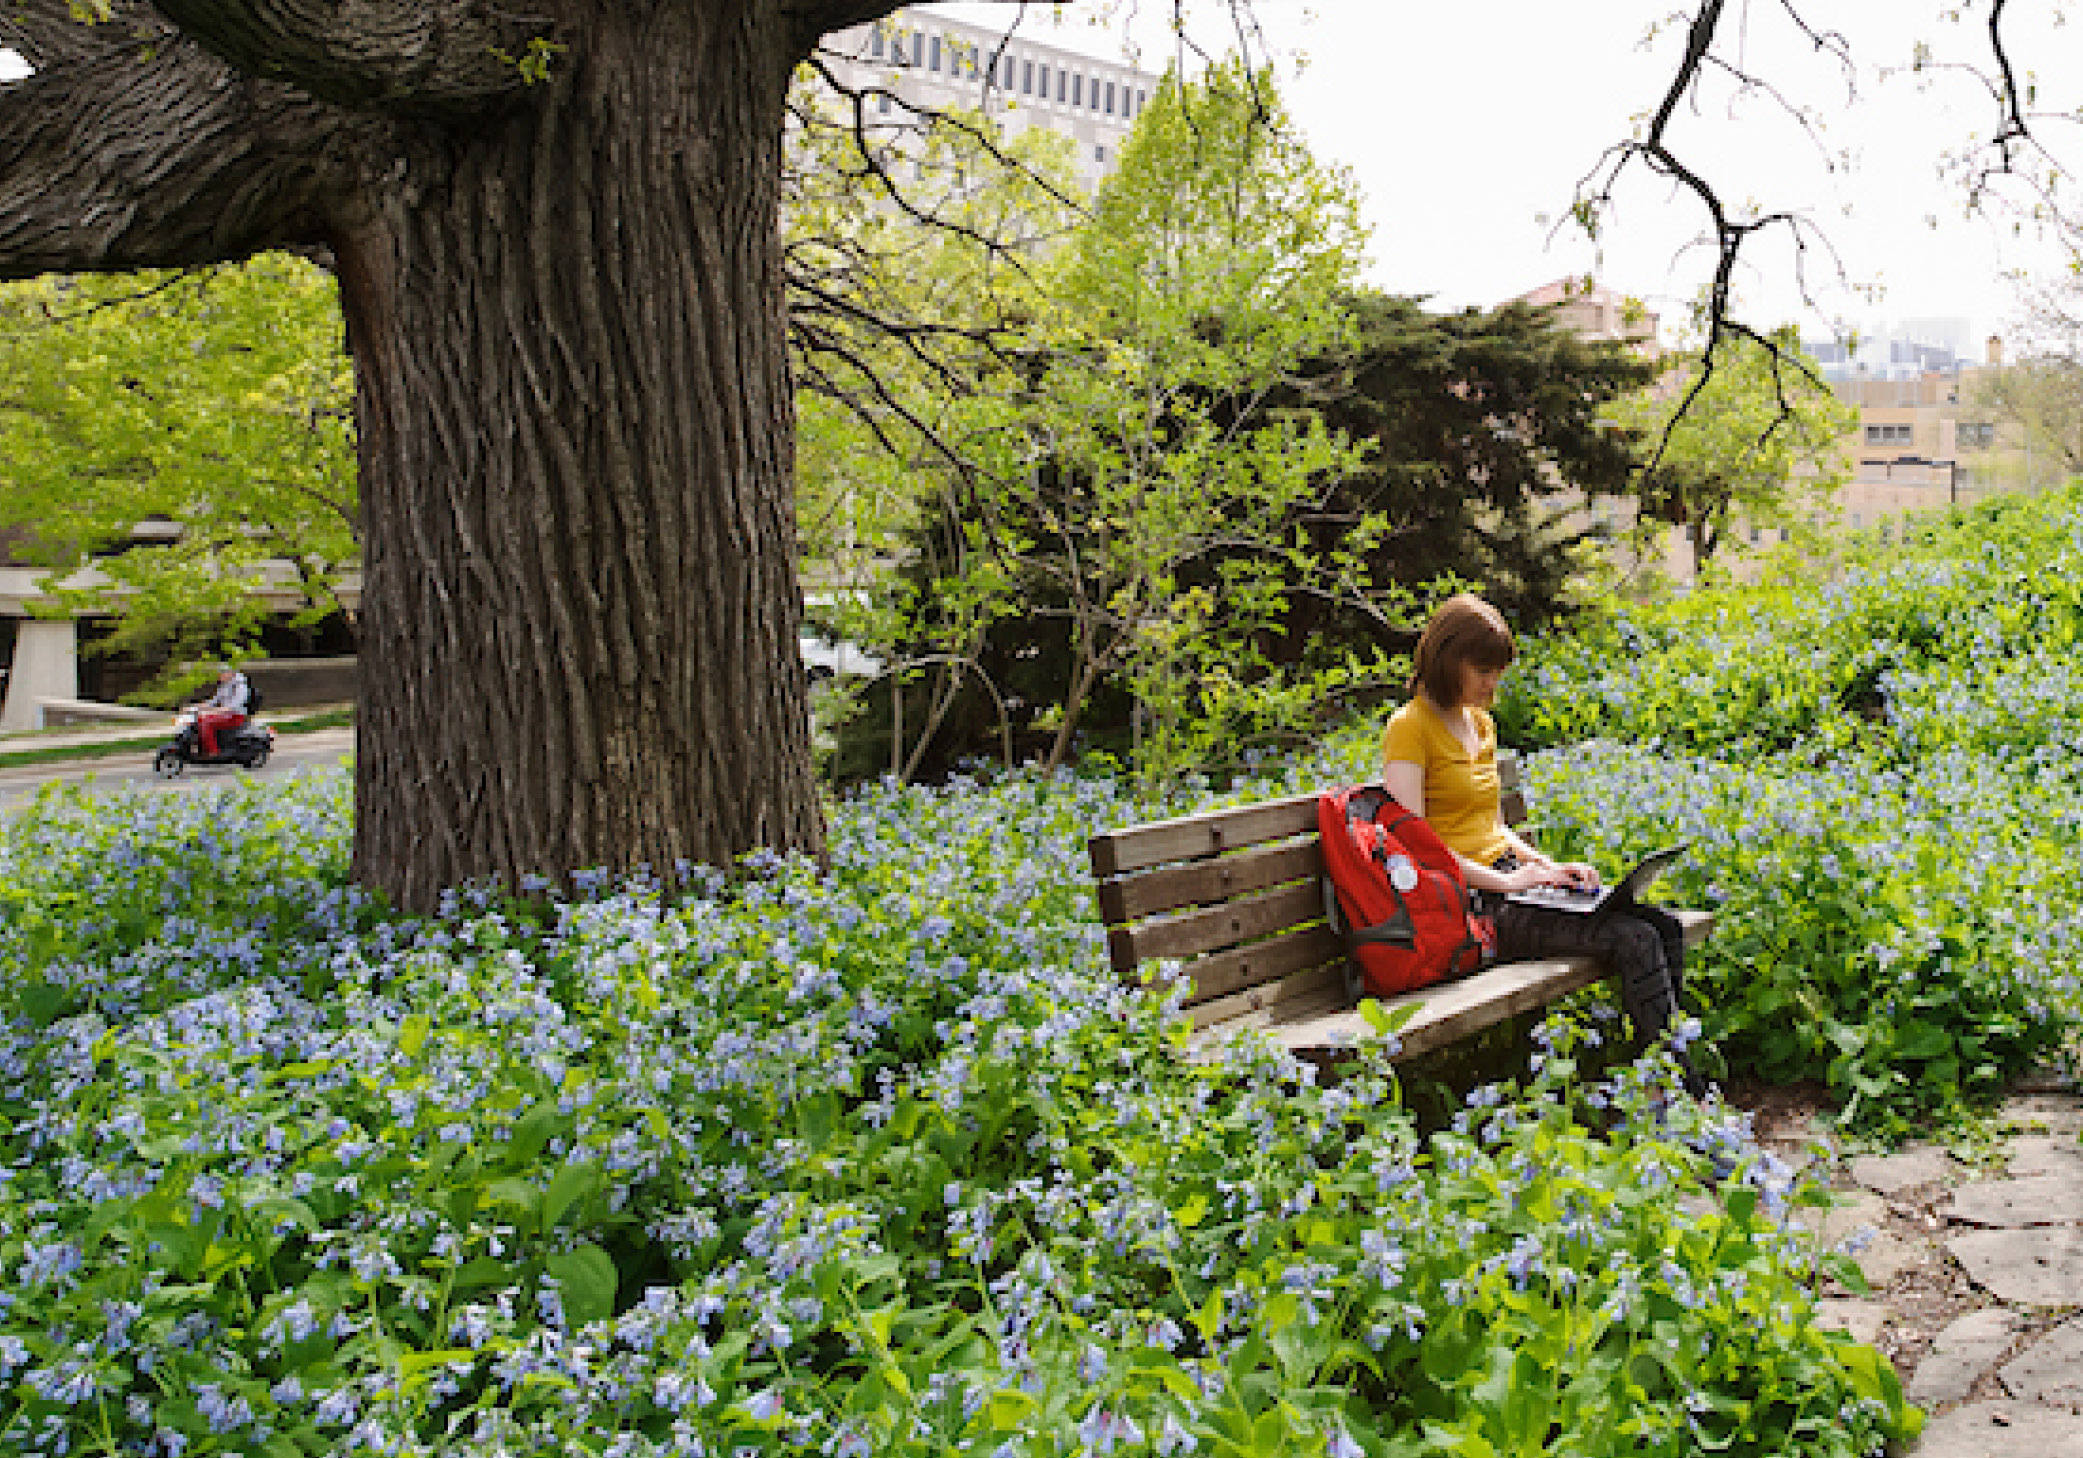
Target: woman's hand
x=1580, y=875
x=1535, y=873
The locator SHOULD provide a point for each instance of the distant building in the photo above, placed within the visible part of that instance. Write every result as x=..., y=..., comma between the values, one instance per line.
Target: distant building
x=927, y=61
x=1922, y=441
x=1586, y=309
x=1591, y=311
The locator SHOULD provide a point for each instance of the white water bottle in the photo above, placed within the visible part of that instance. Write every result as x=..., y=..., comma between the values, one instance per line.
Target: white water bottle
x=1402, y=874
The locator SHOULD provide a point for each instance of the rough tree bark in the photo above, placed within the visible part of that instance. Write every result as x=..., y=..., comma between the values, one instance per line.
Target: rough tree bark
x=564, y=302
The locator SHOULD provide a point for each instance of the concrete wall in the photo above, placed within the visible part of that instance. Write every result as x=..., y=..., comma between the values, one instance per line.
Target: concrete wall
x=299, y=683
x=46, y=666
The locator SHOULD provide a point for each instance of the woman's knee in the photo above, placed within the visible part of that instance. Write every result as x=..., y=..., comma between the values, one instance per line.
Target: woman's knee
x=1634, y=941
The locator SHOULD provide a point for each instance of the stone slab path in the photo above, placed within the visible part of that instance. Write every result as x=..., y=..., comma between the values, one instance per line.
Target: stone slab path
x=1977, y=1281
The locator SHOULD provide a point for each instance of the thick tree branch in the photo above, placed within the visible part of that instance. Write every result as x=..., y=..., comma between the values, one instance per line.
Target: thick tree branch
x=128, y=160
x=47, y=32
x=442, y=59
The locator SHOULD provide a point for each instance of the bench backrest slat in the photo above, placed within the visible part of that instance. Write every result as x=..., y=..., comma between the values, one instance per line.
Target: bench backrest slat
x=1191, y=837
x=1211, y=928
x=1130, y=898
x=1266, y=963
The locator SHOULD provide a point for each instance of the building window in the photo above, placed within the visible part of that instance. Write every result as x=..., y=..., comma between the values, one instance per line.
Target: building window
x=1110, y=98
x=1888, y=435
x=875, y=42
x=1027, y=78
x=1142, y=100
x=1062, y=85
x=1099, y=153
x=882, y=102
x=934, y=64
x=1077, y=89
x=1976, y=436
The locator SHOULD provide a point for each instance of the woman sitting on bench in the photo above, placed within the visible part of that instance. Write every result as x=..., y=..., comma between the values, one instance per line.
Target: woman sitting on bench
x=1439, y=759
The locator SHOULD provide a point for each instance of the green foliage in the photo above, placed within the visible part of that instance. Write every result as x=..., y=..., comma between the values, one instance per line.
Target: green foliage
x=1125, y=488
x=1756, y=444
x=172, y=444
x=2042, y=399
x=1486, y=432
x=1197, y=504
x=880, y=1160
x=1150, y=489
x=1878, y=772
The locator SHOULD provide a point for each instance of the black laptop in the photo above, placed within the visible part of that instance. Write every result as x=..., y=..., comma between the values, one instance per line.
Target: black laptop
x=1621, y=893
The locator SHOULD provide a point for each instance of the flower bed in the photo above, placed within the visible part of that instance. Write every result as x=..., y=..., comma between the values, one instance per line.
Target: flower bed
x=878, y=1163
x=1882, y=777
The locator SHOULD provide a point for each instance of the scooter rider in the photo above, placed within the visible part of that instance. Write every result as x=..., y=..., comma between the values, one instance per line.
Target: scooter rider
x=226, y=709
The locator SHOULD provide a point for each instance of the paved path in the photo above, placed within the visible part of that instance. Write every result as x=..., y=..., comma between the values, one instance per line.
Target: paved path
x=293, y=752
x=1977, y=1277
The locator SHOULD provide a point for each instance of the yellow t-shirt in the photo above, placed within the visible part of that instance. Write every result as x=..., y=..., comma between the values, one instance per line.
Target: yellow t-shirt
x=1461, y=790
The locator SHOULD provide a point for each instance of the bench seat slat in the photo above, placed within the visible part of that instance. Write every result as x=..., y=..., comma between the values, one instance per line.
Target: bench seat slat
x=1193, y=836
x=1202, y=882
x=1450, y=1011
x=1216, y=928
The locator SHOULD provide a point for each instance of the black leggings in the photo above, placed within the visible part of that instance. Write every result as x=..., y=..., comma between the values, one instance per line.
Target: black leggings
x=1644, y=945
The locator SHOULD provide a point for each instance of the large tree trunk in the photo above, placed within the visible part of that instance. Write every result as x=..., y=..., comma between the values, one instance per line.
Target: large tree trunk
x=564, y=299
x=579, y=635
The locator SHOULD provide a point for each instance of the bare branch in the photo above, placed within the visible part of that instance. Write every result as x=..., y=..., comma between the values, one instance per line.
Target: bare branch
x=1729, y=234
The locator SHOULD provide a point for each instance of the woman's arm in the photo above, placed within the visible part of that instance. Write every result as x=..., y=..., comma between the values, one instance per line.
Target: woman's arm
x=1405, y=780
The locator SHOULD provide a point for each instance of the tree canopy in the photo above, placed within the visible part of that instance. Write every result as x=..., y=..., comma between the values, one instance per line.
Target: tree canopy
x=190, y=437
x=1751, y=435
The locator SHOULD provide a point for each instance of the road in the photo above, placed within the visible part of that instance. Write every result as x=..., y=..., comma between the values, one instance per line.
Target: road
x=293, y=752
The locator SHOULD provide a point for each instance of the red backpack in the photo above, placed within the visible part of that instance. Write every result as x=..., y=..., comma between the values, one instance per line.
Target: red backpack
x=1401, y=904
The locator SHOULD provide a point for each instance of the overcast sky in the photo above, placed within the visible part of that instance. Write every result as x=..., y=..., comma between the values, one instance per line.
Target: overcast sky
x=1467, y=126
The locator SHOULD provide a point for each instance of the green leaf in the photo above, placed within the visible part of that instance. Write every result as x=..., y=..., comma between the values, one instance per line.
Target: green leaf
x=43, y=1004
x=1847, y=1272
x=412, y=1034
x=416, y=1369
x=1009, y=1409
x=570, y=1185
x=520, y=1196
x=481, y=1271
x=586, y=1279
x=532, y=1132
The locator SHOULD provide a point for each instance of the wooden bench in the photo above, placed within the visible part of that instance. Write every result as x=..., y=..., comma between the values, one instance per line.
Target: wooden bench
x=1236, y=897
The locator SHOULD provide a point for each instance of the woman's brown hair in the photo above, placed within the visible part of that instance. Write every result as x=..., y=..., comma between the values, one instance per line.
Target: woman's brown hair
x=1464, y=630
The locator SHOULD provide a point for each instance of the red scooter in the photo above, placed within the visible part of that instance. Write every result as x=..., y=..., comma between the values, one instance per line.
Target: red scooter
x=249, y=746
